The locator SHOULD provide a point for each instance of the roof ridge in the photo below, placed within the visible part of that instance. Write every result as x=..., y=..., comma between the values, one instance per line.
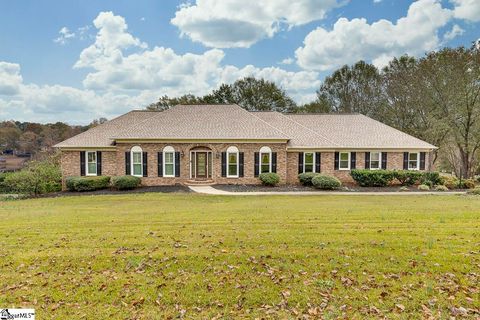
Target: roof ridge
x=314, y=132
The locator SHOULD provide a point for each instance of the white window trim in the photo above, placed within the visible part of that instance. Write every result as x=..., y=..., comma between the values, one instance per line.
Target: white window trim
x=86, y=163
x=265, y=150
x=168, y=149
x=379, y=160
x=230, y=150
x=340, y=161
x=136, y=149
x=314, y=161
x=418, y=161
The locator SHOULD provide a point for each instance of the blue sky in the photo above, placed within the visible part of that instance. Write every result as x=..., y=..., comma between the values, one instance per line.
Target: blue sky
x=78, y=60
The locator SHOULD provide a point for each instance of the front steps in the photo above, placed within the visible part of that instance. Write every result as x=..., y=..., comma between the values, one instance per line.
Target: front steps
x=207, y=182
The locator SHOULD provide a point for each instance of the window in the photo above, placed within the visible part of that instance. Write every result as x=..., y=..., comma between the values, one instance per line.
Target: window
x=375, y=160
x=413, y=161
x=168, y=161
x=308, y=162
x=91, y=163
x=137, y=161
x=265, y=160
x=232, y=162
x=344, y=161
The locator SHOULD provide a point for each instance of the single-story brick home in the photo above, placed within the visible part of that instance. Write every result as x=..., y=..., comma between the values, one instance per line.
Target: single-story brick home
x=226, y=144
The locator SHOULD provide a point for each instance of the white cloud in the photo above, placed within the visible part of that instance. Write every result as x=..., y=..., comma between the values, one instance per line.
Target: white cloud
x=241, y=23
x=287, y=61
x=467, y=9
x=453, y=33
x=352, y=40
x=125, y=74
x=10, y=78
x=65, y=34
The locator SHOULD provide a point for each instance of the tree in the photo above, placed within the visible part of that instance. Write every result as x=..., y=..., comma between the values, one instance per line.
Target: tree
x=254, y=95
x=353, y=89
x=166, y=102
x=451, y=82
x=28, y=142
x=97, y=122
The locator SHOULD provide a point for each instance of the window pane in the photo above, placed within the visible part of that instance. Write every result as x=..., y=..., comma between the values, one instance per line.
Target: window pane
x=374, y=164
x=232, y=169
x=169, y=169
x=169, y=157
x=308, y=158
x=137, y=169
x=265, y=168
x=308, y=168
x=344, y=164
x=92, y=156
x=344, y=156
x=137, y=157
x=92, y=168
x=266, y=158
x=412, y=164
x=374, y=156
x=413, y=156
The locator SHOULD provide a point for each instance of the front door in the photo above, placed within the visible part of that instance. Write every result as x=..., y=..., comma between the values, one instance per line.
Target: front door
x=201, y=163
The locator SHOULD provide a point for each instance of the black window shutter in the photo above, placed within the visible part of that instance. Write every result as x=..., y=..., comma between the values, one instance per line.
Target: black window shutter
x=160, y=164
x=82, y=163
x=177, y=164
x=145, y=164
x=240, y=164
x=99, y=163
x=384, y=160
x=224, y=164
x=274, y=162
x=422, y=160
x=300, y=162
x=127, y=163
x=353, y=160
x=367, y=160
x=318, y=162
x=405, y=161
x=256, y=162
x=337, y=159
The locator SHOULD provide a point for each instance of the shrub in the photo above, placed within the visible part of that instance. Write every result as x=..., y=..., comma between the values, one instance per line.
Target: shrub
x=306, y=178
x=451, y=182
x=407, y=177
x=126, y=182
x=431, y=179
x=423, y=187
x=269, y=179
x=466, y=184
x=372, y=178
x=326, y=182
x=441, y=188
x=4, y=188
x=475, y=191
x=36, y=178
x=87, y=183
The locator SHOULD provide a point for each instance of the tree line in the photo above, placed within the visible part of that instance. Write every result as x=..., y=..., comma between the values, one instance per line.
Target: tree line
x=435, y=98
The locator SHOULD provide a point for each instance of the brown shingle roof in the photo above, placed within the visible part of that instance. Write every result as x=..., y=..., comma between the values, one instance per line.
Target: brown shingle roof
x=203, y=122
x=231, y=122
x=358, y=131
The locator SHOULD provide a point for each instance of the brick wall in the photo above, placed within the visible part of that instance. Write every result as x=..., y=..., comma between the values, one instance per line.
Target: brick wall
x=113, y=162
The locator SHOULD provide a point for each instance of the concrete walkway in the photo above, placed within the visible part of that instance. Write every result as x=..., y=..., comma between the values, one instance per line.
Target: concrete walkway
x=211, y=190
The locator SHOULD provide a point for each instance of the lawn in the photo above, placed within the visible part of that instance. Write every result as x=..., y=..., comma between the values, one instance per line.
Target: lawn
x=156, y=256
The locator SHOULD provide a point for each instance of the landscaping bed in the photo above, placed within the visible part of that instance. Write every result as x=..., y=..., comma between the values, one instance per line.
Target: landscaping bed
x=160, y=189
x=301, y=188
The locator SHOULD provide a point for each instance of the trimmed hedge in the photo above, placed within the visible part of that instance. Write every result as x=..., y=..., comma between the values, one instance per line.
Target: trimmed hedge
x=269, y=179
x=306, y=178
x=326, y=182
x=407, y=177
x=475, y=191
x=87, y=183
x=4, y=188
x=126, y=182
x=451, y=182
x=466, y=184
x=372, y=178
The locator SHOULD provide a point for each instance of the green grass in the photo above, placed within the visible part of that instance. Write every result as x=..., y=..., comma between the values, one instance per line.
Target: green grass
x=154, y=256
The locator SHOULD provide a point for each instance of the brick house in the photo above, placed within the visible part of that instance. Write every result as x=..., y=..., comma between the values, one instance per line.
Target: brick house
x=226, y=144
